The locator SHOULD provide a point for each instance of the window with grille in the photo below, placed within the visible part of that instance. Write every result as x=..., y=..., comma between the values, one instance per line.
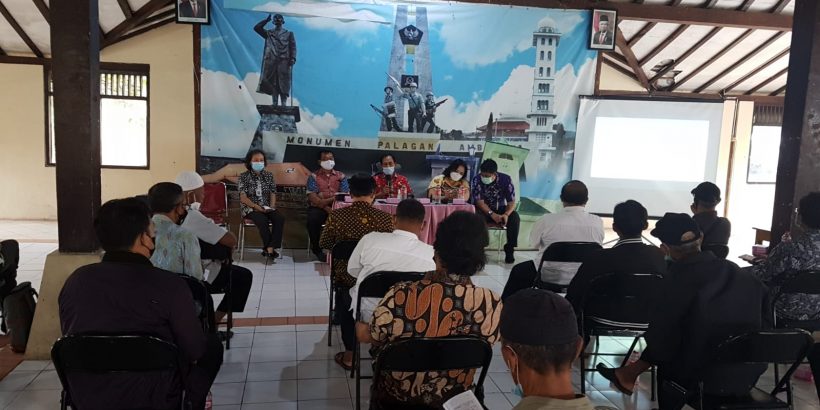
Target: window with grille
x=542, y=55
x=541, y=121
x=123, y=117
x=549, y=55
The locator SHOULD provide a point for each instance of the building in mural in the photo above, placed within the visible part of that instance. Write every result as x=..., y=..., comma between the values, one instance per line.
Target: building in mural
x=542, y=107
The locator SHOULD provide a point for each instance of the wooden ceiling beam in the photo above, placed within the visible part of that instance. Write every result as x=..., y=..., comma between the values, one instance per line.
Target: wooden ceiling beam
x=687, y=53
x=745, y=5
x=767, y=81
x=714, y=58
x=709, y=4
x=617, y=57
x=142, y=30
x=778, y=8
x=41, y=5
x=740, y=62
x=778, y=91
x=126, y=9
x=19, y=30
x=642, y=32
x=665, y=43
x=617, y=67
x=620, y=42
x=757, y=70
x=136, y=19
x=157, y=17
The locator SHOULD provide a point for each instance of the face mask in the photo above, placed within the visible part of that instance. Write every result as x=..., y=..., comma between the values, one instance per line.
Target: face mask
x=486, y=180
x=389, y=170
x=194, y=206
x=455, y=176
x=517, y=389
x=152, y=248
x=327, y=165
x=257, y=166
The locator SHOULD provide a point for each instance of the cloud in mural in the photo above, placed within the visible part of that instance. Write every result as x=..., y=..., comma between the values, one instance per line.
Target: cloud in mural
x=568, y=88
x=460, y=39
x=351, y=24
x=225, y=114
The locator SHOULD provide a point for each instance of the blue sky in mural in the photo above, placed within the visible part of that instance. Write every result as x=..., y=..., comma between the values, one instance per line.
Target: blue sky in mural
x=338, y=60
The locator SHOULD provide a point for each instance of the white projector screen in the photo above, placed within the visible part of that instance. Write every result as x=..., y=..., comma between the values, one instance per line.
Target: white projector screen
x=654, y=152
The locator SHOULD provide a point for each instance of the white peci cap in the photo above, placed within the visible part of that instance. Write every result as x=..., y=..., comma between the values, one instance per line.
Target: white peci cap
x=189, y=180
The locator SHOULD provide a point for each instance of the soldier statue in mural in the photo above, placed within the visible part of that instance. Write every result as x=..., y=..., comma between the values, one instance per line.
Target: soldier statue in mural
x=277, y=60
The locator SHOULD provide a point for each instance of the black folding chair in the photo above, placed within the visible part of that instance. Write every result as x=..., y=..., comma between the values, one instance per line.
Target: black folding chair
x=342, y=250
x=435, y=354
x=720, y=250
x=374, y=285
x=618, y=305
x=778, y=346
x=203, y=304
x=113, y=354
x=806, y=282
x=573, y=252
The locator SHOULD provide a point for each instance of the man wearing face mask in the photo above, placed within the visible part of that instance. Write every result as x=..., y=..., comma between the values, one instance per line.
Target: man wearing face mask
x=126, y=294
x=390, y=184
x=539, y=343
x=177, y=249
x=322, y=187
x=494, y=197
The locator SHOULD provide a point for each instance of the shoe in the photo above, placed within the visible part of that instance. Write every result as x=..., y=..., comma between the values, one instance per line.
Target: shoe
x=509, y=253
x=319, y=255
x=273, y=254
x=609, y=374
x=265, y=253
x=224, y=335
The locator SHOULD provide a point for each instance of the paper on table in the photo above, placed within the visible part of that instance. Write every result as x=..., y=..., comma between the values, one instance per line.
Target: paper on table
x=267, y=208
x=463, y=401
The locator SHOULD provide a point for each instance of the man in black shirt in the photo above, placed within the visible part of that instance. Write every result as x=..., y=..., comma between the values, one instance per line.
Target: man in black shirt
x=716, y=230
x=704, y=301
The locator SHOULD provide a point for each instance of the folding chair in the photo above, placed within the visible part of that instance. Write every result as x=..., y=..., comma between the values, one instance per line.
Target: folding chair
x=567, y=252
x=375, y=285
x=203, y=303
x=806, y=282
x=778, y=346
x=112, y=354
x=500, y=232
x=342, y=250
x=435, y=354
x=629, y=297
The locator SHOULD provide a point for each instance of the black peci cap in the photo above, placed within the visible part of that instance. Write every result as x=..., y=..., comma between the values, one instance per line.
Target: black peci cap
x=538, y=317
x=672, y=228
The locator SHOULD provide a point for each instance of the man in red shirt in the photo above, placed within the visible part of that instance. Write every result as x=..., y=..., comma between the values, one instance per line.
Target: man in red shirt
x=322, y=187
x=388, y=183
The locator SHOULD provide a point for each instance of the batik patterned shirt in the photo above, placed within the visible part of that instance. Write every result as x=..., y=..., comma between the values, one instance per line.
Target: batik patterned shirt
x=327, y=184
x=449, y=188
x=257, y=187
x=397, y=182
x=785, y=260
x=176, y=249
x=495, y=195
x=440, y=305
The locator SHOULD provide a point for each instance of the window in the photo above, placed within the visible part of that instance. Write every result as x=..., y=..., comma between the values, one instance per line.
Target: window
x=549, y=72
x=549, y=55
x=543, y=88
x=543, y=105
x=541, y=121
x=123, y=116
x=764, y=153
x=540, y=71
x=542, y=55
x=542, y=41
x=544, y=155
x=550, y=41
x=548, y=89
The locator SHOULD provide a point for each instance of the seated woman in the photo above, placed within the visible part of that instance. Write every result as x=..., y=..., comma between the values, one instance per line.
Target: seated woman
x=445, y=303
x=451, y=184
x=389, y=184
x=257, y=194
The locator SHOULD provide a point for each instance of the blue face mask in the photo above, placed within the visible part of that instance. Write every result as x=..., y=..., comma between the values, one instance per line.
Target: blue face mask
x=517, y=389
x=257, y=166
x=486, y=180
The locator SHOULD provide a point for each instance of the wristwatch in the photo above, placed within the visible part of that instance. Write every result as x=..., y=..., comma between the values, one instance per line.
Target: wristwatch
x=490, y=212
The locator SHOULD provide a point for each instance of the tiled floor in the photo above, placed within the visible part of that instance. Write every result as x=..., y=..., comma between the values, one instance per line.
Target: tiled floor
x=291, y=366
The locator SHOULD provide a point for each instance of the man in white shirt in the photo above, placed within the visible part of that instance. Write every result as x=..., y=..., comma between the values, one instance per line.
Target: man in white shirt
x=398, y=251
x=572, y=224
x=216, y=244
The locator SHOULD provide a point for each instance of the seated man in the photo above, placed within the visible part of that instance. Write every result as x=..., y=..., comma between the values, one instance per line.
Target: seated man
x=705, y=300
x=494, y=197
x=539, y=344
x=215, y=243
x=345, y=224
x=716, y=230
x=177, y=249
x=572, y=224
x=389, y=183
x=629, y=255
x=399, y=251
x=322, y=187
x=125, y=294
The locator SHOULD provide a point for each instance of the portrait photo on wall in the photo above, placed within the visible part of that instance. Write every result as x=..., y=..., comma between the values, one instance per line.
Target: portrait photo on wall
x=193, y=12
x=602, y=30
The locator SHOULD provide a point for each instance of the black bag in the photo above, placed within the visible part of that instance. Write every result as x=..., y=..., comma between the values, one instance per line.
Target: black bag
x=18, y=314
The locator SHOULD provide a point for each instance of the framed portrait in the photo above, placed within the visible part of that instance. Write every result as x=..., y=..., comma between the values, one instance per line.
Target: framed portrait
x=193, y=12
x=602, y=30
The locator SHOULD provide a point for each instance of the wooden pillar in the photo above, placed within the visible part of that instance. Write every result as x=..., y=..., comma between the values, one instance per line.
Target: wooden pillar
x=75, y=72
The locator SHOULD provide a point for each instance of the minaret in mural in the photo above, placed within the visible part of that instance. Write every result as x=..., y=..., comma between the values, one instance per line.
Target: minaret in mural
x=409, y=58
x=542, y=108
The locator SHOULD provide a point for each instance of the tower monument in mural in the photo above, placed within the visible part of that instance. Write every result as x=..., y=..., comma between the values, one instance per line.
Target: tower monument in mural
x=542, y=107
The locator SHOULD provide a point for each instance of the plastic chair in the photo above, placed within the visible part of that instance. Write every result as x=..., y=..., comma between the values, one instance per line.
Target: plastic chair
x=627, y=293
x=779, y=346
x=375, y=285
x=573, y=252
x=108, y=354
x=436, y=354
x=342, y=250
x=215, y=203
x=500, y=232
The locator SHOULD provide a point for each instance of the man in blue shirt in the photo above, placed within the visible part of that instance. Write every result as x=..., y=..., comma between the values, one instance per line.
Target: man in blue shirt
x=494, y=197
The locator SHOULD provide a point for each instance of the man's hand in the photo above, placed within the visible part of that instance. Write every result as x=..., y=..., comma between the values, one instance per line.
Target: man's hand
x=497, y=218
x=269, y=18
x=363, y=332
x=328, y=209
x=505, y=218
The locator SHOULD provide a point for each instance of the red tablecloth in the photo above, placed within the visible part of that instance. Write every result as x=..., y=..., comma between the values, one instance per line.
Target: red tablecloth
x=432, y=216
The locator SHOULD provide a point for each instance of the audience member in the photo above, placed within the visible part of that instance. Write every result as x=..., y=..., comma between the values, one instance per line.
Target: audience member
x=177, y=249
x=9, y=260
x=345, y=224
x=628, y=255
x=322, y=187
x=388, y=182
x=125, y=294
x=494, y=196
x=572, y=224
x=716, y=230
x=257, y=194
x=216, y=243
x=705, y=300
x=444, y=303
x=790, y=257
x=539, y=343
x=399, y=251
x=451, y=184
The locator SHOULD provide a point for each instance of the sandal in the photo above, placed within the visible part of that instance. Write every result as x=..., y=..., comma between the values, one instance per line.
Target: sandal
x=339, y=359
x=609, y=374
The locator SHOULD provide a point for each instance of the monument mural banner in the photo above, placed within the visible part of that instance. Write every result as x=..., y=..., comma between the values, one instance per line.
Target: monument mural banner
x=429, y=82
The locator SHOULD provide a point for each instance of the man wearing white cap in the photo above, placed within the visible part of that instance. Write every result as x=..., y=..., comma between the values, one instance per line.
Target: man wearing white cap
x=217, y=243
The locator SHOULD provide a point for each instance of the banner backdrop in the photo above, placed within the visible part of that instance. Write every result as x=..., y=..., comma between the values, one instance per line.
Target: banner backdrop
x=427, y=82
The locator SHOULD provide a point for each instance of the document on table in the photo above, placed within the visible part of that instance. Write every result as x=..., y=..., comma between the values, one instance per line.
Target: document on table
x=463, y=401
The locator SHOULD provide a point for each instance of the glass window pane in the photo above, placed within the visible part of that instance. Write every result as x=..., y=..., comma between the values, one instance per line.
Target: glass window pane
x=123, y=132
x=764, y=154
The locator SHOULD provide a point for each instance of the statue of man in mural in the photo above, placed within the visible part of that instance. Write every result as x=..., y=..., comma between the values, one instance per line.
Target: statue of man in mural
x=277, y=59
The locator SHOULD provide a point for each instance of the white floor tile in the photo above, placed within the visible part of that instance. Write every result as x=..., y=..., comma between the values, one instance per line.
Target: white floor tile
x=326, y=405
x=46, y=380
x=316, y=389
x=320, y=369
x=36, y=400
x=270, y=391
x=17, y=380
x=227, y=393
x=265, y=371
